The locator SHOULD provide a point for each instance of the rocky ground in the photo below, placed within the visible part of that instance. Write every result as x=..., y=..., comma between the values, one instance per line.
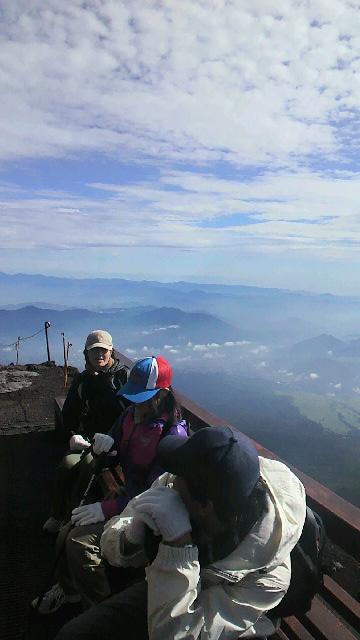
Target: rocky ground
x=27, y=395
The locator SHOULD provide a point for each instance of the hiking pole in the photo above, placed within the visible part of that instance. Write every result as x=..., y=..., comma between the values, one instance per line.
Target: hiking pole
x=99, y=463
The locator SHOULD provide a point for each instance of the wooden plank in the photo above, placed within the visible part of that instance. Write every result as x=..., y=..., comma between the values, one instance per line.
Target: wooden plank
x=324, y=624
x=295, y=630
x=279, y=635
x=342, y=601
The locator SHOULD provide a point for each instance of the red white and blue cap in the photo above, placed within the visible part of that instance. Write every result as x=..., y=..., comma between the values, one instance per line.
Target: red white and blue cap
x=146, y=378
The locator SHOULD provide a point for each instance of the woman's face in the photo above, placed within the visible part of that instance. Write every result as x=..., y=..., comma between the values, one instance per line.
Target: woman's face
x=99, y=357
x=145, y=409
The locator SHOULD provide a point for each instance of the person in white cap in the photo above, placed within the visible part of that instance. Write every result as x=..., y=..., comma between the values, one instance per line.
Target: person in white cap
x=91, y=405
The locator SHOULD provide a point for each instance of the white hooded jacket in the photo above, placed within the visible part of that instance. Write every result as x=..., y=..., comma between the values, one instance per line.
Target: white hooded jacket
x=230, y=598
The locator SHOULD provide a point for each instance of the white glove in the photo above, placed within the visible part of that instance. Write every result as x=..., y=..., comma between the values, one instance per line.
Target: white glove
x=102, y=443
x=135, y=531
x=163, y=510
x=78, y=443
x=87, y=514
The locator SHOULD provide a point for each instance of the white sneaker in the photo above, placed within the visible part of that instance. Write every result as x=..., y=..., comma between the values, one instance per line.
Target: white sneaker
x=52, y=525
x=53, y=600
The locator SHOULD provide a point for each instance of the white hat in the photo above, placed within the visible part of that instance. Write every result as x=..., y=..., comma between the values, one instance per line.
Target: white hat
x=99, y=338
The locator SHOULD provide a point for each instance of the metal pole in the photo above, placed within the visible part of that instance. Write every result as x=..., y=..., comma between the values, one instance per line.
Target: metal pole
x=68, y=345
x=17, y=349
x=65, y=359
x=47, y=325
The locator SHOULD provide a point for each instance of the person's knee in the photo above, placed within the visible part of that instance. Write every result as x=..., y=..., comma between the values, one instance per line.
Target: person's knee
x=75, y=547
x=68, y=463
x=83, y=543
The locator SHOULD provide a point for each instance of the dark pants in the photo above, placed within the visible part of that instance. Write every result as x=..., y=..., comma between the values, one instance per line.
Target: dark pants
x=124, y=615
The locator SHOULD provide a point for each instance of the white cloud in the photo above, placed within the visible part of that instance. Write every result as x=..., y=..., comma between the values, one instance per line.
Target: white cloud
x=146, y=332
x=187, y=88
x=236, y=343
x=130, y=351
x=200, y=347
x=313, y=376
x=190, y=80
x=260, y=349
x=275, y=213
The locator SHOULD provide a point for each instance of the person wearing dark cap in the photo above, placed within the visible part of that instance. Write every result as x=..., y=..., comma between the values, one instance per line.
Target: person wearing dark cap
x=91, y=405
x=134, y=438
x=227, y=521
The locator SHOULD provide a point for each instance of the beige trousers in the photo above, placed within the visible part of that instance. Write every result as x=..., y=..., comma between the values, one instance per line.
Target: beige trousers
x=80, y=568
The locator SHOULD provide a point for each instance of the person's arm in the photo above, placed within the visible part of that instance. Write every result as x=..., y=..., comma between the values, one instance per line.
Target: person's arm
x=116, y=548
x=177, y=607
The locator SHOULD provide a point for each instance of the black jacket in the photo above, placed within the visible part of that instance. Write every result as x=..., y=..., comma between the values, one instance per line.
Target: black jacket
x=91, y=404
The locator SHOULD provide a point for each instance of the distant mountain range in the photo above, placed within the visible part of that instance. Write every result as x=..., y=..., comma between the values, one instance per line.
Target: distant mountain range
x=282, y=366
x=131, y=328
x=272, y=315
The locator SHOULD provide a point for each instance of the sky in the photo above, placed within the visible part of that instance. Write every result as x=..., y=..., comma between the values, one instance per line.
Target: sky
x=210, y=141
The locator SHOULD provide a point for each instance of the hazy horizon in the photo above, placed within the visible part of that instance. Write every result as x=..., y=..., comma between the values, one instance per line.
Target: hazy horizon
x=164, y=281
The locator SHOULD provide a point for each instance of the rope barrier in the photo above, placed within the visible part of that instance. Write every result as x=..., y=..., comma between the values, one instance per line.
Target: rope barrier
x=16, y=344
x=66, y=347
x=13, y=344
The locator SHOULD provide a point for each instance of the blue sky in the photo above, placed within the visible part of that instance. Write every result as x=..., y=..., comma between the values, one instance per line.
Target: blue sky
x=211, y=140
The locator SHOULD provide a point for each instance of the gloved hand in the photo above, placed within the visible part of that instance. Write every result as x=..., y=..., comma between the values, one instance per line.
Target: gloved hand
x=78, y=443
x=163, y=510
x=102, y=444
x=135, y=531
x=87, y=514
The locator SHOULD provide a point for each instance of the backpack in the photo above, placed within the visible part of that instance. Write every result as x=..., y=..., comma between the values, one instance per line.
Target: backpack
x=307, y=570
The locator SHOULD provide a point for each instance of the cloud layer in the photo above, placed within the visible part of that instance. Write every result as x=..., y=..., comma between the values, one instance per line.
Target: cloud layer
x=272, y=213
x=190, y=81
x=233, y=128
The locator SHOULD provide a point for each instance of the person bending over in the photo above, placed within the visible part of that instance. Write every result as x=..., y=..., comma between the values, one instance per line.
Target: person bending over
x=227, y=522
x=135, y=437
x=91, y=405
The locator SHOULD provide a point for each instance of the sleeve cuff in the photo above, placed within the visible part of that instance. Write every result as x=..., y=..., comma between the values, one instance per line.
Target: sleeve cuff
x=177, y=555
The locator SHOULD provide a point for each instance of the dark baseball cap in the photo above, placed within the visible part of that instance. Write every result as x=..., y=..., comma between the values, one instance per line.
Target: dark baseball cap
x=223, y=459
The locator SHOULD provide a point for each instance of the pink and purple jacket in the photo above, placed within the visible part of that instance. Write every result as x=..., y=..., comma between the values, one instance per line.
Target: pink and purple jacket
x=136, y=445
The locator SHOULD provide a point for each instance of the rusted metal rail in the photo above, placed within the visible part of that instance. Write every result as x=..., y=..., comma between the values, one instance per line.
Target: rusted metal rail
x=335, y=614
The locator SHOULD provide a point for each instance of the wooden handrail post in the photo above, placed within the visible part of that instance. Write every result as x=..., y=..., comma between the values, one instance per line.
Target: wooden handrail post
x=47, y=325
x=65, y=360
